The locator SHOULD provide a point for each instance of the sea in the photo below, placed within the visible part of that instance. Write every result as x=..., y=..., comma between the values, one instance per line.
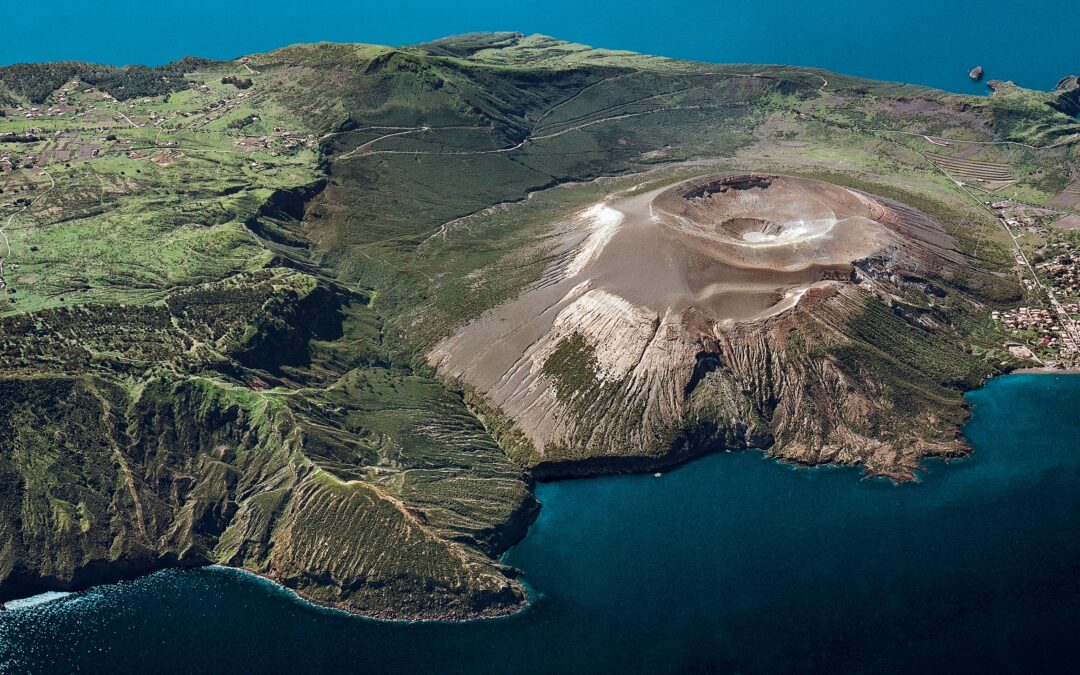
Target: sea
x=731, y=563
x=928, y=42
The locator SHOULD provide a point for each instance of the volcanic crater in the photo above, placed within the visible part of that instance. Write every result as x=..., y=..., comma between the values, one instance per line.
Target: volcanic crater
x=755, y=210
x=718, y=270
x=737, y=246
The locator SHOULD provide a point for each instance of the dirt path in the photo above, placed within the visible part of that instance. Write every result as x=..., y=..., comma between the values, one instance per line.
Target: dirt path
x=539, y=120
x=130, y=121
x=360, y=149
x=528, y=139
x=533, y=136
x=960, y=140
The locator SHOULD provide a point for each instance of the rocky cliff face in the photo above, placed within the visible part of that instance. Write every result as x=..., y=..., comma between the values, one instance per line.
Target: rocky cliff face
x=102, y=483
x=1067, y=94
x=177, y=434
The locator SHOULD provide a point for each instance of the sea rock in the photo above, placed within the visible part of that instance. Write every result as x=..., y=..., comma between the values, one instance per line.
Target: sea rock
x=976, y=73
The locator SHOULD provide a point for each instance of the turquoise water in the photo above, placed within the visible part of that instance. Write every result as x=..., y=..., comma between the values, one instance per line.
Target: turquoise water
x=733, y=563
x=931, y=42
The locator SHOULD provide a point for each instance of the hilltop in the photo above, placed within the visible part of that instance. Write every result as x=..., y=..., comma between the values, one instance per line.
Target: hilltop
x=234, y=292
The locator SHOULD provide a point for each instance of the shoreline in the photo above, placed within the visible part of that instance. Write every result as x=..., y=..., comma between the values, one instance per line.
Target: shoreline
x=297, y=596
x=384, y=617
x=552, y=473
x=606, y=469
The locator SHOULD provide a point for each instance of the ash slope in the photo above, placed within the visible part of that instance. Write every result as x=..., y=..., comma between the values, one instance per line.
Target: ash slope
x=222, y=280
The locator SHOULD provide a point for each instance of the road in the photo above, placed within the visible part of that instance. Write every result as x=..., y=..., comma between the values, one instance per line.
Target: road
x=961, y=140
x=528, y=139
x=358, y=150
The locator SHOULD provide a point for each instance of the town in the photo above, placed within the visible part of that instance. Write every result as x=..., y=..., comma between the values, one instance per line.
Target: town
x=1044, y=331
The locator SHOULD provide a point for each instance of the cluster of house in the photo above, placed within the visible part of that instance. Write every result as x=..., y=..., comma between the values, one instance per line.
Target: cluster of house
x=1025, y=318
x=219, y=106
x=1043, y=322
x=280, y=140
x=1062, y=271
x=58, y=103
x=54, y=111
x=9, y=163
x=33, y=131
x=1019, y=216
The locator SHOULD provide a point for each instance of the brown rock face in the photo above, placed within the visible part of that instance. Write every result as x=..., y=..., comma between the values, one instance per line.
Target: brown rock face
x=718, y=313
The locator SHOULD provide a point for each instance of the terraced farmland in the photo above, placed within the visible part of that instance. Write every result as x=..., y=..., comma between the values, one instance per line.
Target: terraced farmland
x=1069, y=197
x=991, y=175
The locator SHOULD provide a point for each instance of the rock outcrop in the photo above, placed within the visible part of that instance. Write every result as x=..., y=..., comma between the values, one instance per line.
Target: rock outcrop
x=1067, y=96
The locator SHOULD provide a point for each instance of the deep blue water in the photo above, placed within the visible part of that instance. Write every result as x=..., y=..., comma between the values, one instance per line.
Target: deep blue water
x=732, y=563
x=931, y=42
